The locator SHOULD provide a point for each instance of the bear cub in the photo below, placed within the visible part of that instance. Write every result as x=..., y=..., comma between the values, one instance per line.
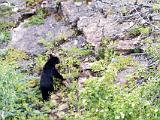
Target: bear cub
x=46, y=81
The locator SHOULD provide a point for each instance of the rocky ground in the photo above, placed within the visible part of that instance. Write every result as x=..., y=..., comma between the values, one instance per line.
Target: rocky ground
x=75, y=24
x=91, y=21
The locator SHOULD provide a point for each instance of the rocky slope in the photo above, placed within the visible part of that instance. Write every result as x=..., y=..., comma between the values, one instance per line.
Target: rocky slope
x=40, y=27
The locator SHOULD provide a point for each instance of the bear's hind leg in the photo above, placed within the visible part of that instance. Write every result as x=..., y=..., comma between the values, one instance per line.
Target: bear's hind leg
x=45, y=94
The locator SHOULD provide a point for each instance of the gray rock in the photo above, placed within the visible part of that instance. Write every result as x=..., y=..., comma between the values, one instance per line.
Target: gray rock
x=97, y=26
x=50, y=5
x=27, y=38
x=141, y=59
x=78, y=42
x=85, y=65
x=20, y=4
x=99, y=19
x=122, y=75
x=72, y=11
x=90, y=28
x=125, y=46
x=63, y=107
x=6, y=13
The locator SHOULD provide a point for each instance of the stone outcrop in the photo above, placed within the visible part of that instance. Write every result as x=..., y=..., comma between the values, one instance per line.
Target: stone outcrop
x=28, y=38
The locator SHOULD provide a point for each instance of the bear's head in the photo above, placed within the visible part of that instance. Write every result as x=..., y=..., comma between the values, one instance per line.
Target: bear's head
x=53, y=59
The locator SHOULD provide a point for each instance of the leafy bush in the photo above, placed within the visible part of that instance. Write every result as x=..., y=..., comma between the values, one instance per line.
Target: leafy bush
x=40, y=61
x=18, y=98
x=4, y=31
x=5, y=10
x=32, y=2
x=138, y=30
x=102, y=99
x=4, y=36
x=61, y=38
x=15, y=55
x=156, y=7
x=37, y=19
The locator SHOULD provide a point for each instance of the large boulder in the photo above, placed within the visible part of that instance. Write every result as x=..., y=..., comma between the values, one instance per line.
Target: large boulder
x=97, y=26
x=72, y=11
x=28, y=38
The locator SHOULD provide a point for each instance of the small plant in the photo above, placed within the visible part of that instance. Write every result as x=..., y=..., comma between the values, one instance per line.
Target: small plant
x=145, y=30
x=106, y=51
x=61, y=38
x=137, y=50
x=70, y=63
x=136, y=31
x=102, y=99
x=153, y=51
x=32, y=2
x=5, y=10
x=37, y=19
x=98, y=66
x=4, y=31
x=3, y=53
x=6, y=25
x=40, y=61
x=148, y=41
x=19, y=99
x=156, y=7
x=15, y=55
x=4, y=36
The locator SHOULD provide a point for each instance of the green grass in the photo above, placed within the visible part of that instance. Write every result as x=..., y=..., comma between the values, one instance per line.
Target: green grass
x=139, y=30
x=32, y=2
x=20, y=99
x=4, y=36
x=5, y=32
x=102, y=99
x=5, y=10
x=37, y=19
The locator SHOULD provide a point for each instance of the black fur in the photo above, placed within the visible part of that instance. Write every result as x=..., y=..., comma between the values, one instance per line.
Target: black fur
x=46, y=82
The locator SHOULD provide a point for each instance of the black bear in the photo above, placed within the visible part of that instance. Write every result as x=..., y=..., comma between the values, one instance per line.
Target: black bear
x=49, y=70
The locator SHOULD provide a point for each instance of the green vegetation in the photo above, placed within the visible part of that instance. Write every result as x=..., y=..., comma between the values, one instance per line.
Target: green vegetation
x=153, y=49
x=61, y=38
x=40, y=61
x=70, y=61
x=15, y=55
x=5, y=10
x=4, y=31
x=104, y=55
x=138, y=30
x=6, y=25
x=37, y=19
x=103, y=99
x=156, y=7
x=20, y=96
x=100, y=97
x=4, y=36
x=33, y=2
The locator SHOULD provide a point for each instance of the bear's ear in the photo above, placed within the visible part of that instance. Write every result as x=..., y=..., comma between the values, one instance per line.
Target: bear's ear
x=56, y=60
x=50, y=56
